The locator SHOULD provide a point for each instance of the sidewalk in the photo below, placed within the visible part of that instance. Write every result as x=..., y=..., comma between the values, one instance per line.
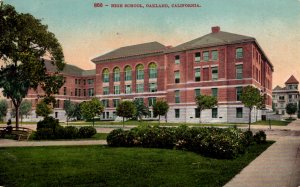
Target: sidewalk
x=278, y=166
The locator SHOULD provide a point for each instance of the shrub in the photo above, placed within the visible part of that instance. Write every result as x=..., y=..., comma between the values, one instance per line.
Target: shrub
x=60, y=132
x=44, y=134
x=87, y=132
x=260, y=137
x=71, y=132
x=248, y=138
x=48, y=122
x=116, y=138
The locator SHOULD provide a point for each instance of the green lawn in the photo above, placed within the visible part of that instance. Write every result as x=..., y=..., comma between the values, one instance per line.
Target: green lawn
x=105, y=166
x=273, y=122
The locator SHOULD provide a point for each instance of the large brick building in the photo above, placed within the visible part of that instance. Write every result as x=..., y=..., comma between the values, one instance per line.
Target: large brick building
x=219, y=64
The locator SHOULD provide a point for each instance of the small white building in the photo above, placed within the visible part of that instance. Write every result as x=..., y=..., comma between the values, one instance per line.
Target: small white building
x=284, y=95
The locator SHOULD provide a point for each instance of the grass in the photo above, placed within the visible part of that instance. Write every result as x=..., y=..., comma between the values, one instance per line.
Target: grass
x=273, y=122
x=98, y=136
x=105, y=166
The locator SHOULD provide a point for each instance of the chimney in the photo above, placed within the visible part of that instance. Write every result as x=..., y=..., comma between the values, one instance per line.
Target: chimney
x=215, y=29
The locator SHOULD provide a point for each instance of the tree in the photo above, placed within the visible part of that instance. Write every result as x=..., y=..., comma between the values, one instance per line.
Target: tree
x=72, y=110
x=25, y=109
x=90, y=109
x=43, y=109
x=251, y=97
x=160, y=108
x=205, y=102
x=24, y=43
x=141, y=109
x=3, y=109
x=291, y=108
x=126, y=109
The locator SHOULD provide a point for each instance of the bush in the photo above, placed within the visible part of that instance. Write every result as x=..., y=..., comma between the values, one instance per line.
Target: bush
x=44, y=134
x=46, y=128
x=213, y=142
x=86, y=132
x=60, y=132
x=71, y=132
x=260, y=137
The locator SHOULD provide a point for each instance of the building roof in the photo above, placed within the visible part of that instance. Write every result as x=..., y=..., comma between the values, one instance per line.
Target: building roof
x=69, y=69
x=292, y=80
x=133, y=50
x=277, y=88
x=213, y=39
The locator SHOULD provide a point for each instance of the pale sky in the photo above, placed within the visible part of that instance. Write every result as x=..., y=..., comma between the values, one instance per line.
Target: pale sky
x=86, y=32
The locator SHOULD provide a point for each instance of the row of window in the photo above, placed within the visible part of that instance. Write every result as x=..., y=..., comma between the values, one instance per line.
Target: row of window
x=77, y=92
x=89, y=81
x=206, y=56
x=128, y=88
x=214, y=93
x=214, y=74
x=214, y=113
x=128, y=73
x=116, y=102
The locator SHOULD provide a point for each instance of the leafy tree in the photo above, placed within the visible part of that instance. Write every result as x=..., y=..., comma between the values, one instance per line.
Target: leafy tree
x=160, y=108
x=126, y=109
x=291, y=108
x=205, y=102
x=141, y=109
x=3, y=109
x=43, y=109
x=25, y=109
x=251, y=97
x=90, y=109
x=24, y=42
x=72, y=110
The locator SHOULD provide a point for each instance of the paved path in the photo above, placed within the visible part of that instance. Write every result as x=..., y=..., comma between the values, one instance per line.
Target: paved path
x=278, y=166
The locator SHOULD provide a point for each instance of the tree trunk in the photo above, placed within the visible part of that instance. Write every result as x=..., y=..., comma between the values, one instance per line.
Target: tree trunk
x=17, y=116
x=123, y=123
x=200, y=116
x=250, y=109
x=158, y=119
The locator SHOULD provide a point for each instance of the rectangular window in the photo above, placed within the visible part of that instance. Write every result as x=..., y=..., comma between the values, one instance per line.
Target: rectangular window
x=197, y=57
x=139, y=88
x=105, y=103
x=153, y=87
x=239, y=91
x=214, y=92
x=177, y=76
x=65, y=90
x=79, y=92
x=197, y=113
x=215, y=55
x=117, y=89
x=75, y=81
x=197, y=74
x=84, y=92
x=151, y=101
x=140, y=100
x=205, y=56
x=116, y=76
x=239, y=52
x=84, y=82
x=91, y=92
x=153, y=73
x=105, y=90
x=79, y=81
x=75, y=91
x=177, y=59
x=214, y=72
x=177, y=113
x=116, y=102
x=177, y=96
x=91, y=81
x=239, y=71
x=239, y=112
x=140, y=74
x=214, y=112
x=197, y=92
x=128, y=89
x=128, y=74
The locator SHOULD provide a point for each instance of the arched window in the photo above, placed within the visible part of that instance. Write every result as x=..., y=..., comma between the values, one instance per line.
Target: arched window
x=139, y=72
x=105, y=74
x=152, y=70
x=117, y=74
x=128, y=73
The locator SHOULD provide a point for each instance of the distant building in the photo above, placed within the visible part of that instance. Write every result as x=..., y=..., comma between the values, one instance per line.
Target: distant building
x=284, y=95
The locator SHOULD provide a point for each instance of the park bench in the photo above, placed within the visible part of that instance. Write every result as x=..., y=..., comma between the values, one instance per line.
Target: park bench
x=21, y=133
